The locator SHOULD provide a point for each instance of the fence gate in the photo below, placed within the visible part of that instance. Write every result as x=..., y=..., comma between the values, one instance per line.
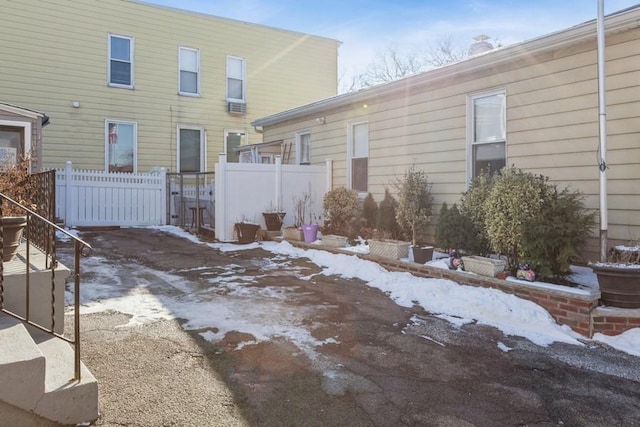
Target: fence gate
x=191, y=200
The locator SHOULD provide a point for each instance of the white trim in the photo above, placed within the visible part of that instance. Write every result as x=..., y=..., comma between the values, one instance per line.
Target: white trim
x=203, y=146
x=106, y=142
x=27, y=132
x=470, y=129
x=244, y=79
x=198, y=87
x=298, y=142
x=131, y=56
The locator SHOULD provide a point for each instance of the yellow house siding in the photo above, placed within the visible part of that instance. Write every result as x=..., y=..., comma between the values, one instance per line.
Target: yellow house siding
x=55, y=52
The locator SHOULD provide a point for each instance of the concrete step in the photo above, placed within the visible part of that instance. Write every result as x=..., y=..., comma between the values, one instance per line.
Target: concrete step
x=41, y=381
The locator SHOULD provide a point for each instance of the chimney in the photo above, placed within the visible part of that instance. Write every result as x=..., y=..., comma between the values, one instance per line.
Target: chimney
x=480, y=45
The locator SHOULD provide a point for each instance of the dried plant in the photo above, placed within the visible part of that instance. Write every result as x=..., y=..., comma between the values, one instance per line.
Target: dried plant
x=15, y=184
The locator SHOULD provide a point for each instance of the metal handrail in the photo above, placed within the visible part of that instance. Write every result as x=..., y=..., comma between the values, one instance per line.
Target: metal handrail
x=80, y=248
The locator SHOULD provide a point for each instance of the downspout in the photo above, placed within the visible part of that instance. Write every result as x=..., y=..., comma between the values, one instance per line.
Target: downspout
x=602, y=116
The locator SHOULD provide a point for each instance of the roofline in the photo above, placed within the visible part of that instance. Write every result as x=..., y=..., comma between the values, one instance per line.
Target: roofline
x=231, y=20
x=626, y=18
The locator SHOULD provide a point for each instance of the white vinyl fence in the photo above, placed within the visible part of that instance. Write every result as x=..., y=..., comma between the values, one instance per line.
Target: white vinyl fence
x=245, y=190
x=98, y=198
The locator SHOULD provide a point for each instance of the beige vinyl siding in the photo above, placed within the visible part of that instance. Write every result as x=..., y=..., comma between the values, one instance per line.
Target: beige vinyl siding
x=552, y=123
x=55, y=52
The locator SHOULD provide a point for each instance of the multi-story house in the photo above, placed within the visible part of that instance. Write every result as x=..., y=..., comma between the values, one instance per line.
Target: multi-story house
x=129, y=86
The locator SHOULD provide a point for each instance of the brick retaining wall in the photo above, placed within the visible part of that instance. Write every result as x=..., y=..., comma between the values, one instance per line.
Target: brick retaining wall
x=576, y=308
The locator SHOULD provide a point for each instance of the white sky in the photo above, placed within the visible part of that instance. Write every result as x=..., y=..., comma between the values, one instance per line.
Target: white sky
x=216, y=308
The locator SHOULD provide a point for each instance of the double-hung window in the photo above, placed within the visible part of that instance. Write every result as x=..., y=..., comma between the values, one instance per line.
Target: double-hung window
x=235, y=79
x=359, y=157
x=487, y=133
x=191, y=149
x=120, y=146
x=120, y=61
x=303, y=148
x=189, y=70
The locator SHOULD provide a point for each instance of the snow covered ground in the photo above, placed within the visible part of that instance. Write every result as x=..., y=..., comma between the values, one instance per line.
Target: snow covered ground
x=459, y=304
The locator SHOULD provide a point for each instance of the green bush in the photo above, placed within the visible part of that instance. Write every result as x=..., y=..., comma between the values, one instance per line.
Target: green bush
x=414, y=204
x=369, y=211
x=387, y=223
x=472, y=210
x=454, y=230
x=340, y=210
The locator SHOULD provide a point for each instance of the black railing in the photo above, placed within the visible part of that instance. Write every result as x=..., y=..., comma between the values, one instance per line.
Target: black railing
x=43, y=231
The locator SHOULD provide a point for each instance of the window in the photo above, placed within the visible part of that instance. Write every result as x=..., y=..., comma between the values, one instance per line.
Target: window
x=359, y=157
x=233, y=139
x=303, y=148
x=15, y=141
x=235, y=79
x=120, y=61
x=189, y=68
x=487, y=133
x=120, y=146
x=191, y=150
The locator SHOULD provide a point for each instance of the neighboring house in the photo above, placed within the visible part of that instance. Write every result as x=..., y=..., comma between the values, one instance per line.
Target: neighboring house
x=533, y=105
x=131, y=86
x=20, y=133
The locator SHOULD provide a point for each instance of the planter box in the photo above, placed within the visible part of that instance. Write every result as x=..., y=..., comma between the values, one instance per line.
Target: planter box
x=387, y=248
x=292, y=233
x=619, y=286
x=483, y=266
x=334, y=241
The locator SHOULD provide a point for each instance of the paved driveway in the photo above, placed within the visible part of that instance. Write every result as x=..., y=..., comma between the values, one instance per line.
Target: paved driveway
x=355, y=359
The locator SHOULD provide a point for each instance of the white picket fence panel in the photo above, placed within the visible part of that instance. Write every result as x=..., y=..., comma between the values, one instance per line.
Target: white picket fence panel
x=245, y=190
x=98, y=198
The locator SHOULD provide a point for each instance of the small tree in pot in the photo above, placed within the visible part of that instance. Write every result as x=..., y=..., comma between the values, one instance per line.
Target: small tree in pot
x=414, y=210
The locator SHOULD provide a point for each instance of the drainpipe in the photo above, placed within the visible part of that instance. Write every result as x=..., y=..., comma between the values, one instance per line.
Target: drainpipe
x=602, y=164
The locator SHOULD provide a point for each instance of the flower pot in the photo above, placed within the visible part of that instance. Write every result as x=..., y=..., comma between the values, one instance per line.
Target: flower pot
x=619, y=284
x=388, y=248
x=246, y=232
x=292, y=233
x=12, y=227
x=310, y=232
x=334, y=241
x=273, y=220
x=483, y=266
x=422, y=254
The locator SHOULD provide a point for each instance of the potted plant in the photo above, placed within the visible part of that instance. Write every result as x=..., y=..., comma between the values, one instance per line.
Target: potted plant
x=245, y=231
x=414, y=211
x=384, y=239
x=310, y=230
x=619, y=278
x=300, y=206
x=15, y=184
x=273, y=218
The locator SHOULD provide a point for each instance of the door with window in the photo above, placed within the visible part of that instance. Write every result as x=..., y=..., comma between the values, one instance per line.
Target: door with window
x=488, y=133
x=120, y=146
x=233, y=139
x=191, y=149
x=359, y=157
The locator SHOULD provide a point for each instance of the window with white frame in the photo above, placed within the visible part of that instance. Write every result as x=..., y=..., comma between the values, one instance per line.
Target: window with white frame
x=487, y=133
x=235, y=79
x=359, y=157
x=191, y=149
x=303, y=148
x=120, y=146
x=189, y=70
x=120, y=61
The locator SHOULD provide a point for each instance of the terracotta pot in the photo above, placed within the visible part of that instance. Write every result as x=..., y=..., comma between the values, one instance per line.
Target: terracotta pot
x=619, y=286
x=422, y=254
x=246, y=232
x=273, y=220
x=13, y=227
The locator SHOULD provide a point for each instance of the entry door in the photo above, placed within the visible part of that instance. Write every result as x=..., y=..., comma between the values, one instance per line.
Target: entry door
x=11, y=144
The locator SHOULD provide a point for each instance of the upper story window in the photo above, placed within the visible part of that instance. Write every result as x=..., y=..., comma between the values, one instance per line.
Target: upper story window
x=487, y=124
x=235, y=79
x=120, y=61
x=189, y=68
x=303, y=148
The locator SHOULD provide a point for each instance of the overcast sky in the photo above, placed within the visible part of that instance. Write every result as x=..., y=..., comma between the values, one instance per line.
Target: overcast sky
x=366, y=27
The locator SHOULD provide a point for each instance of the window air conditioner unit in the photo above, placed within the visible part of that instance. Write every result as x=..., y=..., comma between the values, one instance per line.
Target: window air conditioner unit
x=237, y=108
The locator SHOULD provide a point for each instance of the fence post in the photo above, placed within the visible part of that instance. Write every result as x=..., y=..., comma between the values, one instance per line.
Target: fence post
x=69, y=219
x=329, y=172
x=221, y=195
x=163, y=198
x=279, y=183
